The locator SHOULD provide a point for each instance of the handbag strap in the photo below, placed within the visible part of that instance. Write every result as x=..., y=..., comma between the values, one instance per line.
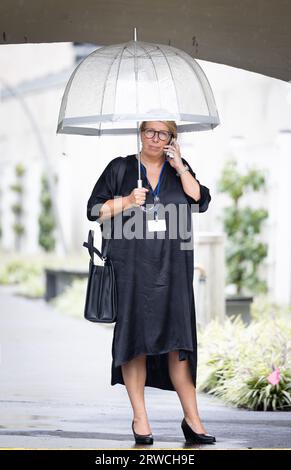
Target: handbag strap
x=120, y=174
x=119, y=178
x=90, y=244
x=91, y=248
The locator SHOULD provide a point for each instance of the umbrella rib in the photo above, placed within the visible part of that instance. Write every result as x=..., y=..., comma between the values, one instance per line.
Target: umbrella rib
x=117, y=75
x=166, y=59
x=105, y=82
x=155, y=70
x=200, y=77
x=208, y=96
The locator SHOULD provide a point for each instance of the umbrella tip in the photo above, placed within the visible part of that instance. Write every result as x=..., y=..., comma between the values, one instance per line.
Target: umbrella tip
x=135, y=34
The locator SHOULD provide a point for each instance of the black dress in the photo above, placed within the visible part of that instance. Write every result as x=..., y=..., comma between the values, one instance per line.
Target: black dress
x=156, y=312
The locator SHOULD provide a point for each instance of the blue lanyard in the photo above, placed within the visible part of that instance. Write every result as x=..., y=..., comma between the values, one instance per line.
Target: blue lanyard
x=157, y=190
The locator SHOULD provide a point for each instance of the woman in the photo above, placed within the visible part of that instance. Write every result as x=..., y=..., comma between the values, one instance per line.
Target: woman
x=154, y=341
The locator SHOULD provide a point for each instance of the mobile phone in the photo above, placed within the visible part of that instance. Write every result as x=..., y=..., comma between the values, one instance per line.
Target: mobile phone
x=168, y=154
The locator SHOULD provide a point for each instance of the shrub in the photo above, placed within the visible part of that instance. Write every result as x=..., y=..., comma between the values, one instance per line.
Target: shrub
x=72, y=301
x=245, y=252
x=46, y=220
x=236, y=361
x=18, y=270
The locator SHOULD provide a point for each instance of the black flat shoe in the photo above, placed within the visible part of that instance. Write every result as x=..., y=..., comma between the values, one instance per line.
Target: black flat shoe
x=194, y=438
x=142, y=438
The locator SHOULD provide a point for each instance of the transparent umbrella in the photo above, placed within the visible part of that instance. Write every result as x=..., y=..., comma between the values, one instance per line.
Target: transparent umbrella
x=117, y=86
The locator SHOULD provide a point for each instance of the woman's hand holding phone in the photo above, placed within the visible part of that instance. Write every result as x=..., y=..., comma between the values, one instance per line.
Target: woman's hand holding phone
x=173, y=154
x=170, y=153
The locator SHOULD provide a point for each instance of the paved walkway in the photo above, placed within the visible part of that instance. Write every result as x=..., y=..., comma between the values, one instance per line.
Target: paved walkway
x=55, y=391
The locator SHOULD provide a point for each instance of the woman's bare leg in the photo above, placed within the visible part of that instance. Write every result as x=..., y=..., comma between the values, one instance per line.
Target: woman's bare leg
x=134, y=376
x=183, y=383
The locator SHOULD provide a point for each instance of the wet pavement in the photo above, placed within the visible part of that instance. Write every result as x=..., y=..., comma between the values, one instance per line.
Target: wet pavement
x=55, y=391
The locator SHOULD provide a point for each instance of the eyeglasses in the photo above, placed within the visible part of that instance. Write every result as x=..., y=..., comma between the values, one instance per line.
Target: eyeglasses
x=162, y=135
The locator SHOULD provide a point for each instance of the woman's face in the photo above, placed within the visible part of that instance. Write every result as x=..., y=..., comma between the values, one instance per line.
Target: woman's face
x=154, y=145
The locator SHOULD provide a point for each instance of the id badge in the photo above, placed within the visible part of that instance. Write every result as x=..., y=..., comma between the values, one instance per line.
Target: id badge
x=157, y=225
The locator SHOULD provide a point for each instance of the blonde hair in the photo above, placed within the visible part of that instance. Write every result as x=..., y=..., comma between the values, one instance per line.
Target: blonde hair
x=171, y=125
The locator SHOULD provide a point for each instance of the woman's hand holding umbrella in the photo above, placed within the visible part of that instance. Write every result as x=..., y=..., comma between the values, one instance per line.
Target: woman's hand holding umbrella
x=137, y=196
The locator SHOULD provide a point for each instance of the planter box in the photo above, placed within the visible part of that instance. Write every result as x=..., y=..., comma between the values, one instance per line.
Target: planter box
x=239, y=305
x=57, y=280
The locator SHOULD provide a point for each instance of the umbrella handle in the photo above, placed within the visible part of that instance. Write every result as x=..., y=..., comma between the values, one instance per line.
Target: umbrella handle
x=139, y=185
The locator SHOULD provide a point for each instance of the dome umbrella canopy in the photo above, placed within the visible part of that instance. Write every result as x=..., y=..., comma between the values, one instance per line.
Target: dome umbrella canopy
x=117, y=86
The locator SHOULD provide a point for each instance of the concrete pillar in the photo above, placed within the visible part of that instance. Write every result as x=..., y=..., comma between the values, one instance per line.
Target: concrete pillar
x=279, y=209
x=209, y=277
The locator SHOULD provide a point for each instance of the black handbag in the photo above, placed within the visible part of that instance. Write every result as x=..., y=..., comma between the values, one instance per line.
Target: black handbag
x=101, y=294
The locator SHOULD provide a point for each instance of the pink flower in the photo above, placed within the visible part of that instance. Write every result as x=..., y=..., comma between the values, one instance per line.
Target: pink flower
x=274, y=377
